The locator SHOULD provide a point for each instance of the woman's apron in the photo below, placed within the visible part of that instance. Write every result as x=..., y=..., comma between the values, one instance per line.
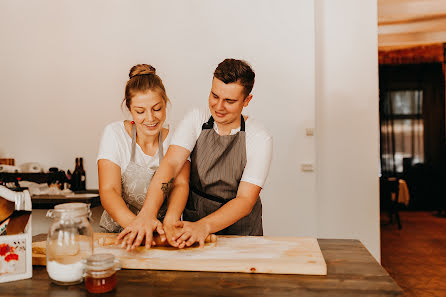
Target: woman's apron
x=134, y=183
x=217, y=165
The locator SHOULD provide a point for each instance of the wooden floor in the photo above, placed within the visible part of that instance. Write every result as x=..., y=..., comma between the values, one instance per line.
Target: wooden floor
x=415, y=256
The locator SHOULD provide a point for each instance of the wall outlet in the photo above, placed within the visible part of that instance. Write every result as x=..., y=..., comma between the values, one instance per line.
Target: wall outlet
x=307, y=167
x=309, y=131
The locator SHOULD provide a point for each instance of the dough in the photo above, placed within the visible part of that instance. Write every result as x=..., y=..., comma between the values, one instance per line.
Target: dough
x=109, y=239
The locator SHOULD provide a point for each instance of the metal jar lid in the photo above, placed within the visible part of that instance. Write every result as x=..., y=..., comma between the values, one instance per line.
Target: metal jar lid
x=98, y=262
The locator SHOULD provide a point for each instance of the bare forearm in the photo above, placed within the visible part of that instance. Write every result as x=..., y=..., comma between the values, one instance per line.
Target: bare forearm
x=155, y=193
x=228, y=214
x=113, y=203
x=177, y=202
x=179, y=194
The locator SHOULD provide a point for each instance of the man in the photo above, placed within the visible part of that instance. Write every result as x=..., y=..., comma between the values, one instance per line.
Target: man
x=230, y=157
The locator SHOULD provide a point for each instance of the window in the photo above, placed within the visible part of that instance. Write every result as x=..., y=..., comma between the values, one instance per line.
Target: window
x=402, y=129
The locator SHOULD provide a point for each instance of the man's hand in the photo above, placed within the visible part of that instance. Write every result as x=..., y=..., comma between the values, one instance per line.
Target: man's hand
x=191, y=232
x=133, y=235
x=171, y=230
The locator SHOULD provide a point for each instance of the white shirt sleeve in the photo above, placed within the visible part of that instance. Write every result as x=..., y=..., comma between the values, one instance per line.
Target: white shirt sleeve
x=109, y=147
x=259, y=151
x=189, y=129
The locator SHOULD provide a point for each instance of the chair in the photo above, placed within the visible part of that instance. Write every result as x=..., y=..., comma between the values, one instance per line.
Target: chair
x=389, y=199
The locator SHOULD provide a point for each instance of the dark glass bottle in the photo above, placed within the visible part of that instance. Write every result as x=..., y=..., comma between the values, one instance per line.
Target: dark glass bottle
x=76, y=177
x=82, y=175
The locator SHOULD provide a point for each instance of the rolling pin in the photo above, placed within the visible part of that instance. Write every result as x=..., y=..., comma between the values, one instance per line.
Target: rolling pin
x=7, y=202
x=6, y=208
x=17, y=222
x=210, y=239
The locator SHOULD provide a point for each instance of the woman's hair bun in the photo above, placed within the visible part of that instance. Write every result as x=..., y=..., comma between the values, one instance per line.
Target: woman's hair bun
x=141, y=69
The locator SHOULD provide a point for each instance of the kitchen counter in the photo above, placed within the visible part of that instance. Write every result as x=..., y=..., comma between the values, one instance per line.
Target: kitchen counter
x=352, y=271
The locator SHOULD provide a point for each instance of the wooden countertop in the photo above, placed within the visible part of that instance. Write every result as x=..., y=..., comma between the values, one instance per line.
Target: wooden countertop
x=49, y=201
x=352, y=271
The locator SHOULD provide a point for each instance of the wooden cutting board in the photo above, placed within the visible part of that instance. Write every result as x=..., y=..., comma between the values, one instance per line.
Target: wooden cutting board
x=252, y=254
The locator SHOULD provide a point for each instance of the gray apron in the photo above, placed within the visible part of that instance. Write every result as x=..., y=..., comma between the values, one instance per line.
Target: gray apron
x=134, y=183
x=217, y=165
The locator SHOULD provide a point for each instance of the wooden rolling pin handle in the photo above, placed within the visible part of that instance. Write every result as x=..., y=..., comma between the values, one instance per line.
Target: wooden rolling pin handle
x=211, y=238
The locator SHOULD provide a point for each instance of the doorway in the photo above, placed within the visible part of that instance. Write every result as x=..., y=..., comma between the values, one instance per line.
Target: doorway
x=412, y=134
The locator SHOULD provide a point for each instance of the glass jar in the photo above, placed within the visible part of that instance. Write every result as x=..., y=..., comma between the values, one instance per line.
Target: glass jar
x=69, y=243
x=100, y=273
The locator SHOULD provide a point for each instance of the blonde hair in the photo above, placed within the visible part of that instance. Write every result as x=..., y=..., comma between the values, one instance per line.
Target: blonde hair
x=143, y=78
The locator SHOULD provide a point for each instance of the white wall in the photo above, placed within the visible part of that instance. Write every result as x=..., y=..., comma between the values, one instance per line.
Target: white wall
x=64, y=66
x=347, y=121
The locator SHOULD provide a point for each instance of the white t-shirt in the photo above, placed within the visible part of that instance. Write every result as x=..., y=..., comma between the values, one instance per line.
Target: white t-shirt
x=116, y=146
x=259, y=143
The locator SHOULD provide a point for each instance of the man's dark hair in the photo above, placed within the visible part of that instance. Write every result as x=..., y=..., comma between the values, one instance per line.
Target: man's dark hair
x=232, y=70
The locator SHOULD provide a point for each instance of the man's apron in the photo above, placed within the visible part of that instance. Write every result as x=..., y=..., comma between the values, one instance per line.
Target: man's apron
x=134, y=183
x=217, y=165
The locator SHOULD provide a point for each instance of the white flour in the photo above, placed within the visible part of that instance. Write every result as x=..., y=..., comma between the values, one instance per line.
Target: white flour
x=65, y=272
x=247, y=248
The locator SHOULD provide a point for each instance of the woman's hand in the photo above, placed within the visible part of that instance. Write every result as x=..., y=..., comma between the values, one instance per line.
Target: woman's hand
x=171, y=230
x=133, y=235
x=192, y=232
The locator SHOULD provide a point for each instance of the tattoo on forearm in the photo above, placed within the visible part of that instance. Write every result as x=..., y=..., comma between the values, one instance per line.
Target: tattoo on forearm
x=166, y=187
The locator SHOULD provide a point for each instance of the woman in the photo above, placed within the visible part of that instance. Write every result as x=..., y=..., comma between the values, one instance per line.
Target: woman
x=130, y=152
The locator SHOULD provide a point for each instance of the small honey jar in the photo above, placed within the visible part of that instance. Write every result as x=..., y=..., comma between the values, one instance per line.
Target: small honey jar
x=100, y=273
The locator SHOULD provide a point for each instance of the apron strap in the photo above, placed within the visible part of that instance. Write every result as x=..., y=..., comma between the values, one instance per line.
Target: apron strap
x=207, y=196
x=210, y=124
x=132, y=155
x=160, y=144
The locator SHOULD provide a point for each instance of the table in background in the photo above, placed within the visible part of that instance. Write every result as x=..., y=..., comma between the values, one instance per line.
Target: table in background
x=41, y=204
x=49, y=201
x=352, y=271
